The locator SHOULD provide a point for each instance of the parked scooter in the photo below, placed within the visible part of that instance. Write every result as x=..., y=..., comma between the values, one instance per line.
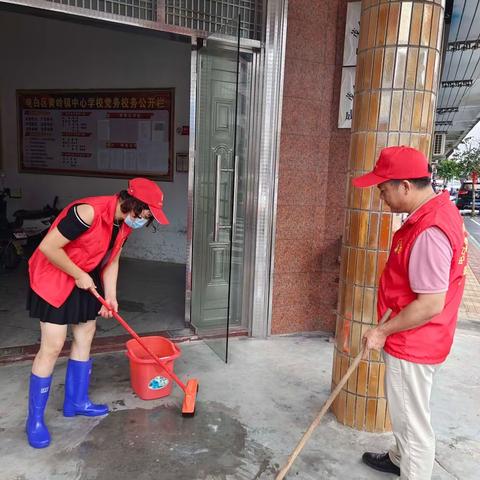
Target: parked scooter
x=11, y=241
x=18, y=239
x=35, y=224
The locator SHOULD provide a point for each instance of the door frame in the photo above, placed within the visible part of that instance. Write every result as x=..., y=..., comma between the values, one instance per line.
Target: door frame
x=265, y=126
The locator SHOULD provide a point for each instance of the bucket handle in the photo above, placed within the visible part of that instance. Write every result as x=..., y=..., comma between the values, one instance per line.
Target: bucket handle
x=171, y=357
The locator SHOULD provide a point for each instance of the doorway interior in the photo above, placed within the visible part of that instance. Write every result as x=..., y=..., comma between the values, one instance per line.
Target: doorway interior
x=77, y=54
x=188, y=278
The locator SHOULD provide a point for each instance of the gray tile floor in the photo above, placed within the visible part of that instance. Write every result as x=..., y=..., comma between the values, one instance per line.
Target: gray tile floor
x=151, y=297
x=250, y=415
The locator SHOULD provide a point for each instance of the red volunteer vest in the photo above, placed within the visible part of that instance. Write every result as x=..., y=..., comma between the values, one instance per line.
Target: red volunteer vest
x=87, y=251
x=429, y=343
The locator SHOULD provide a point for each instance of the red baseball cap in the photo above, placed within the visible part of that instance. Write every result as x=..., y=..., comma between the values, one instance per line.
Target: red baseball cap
x=395, y=163
x=149, y=192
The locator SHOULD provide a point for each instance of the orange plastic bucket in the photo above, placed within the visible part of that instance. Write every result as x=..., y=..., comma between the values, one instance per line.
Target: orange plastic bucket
x=148, y=379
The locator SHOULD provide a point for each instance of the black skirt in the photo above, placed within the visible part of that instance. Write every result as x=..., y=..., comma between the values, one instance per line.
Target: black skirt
x=79, y=307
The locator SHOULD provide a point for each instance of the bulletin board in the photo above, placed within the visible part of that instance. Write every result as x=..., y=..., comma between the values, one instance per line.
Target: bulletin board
x=101, y=133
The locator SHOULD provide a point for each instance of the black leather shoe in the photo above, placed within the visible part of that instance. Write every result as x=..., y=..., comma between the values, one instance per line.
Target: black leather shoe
x=380, y=462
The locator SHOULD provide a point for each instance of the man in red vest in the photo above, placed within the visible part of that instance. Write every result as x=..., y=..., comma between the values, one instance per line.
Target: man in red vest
x=422, y=284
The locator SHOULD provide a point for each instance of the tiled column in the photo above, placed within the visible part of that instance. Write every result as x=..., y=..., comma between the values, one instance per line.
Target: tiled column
x=395, y=94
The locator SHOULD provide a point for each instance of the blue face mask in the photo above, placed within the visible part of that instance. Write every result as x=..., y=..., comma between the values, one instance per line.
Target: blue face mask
x=135, y=222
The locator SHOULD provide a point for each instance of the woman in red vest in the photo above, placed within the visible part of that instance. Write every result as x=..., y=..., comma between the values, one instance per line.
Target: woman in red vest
x=422, y=283
x=81, y=251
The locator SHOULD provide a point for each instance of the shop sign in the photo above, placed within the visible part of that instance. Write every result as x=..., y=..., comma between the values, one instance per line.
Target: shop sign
x=346, y=97
x=352, y=33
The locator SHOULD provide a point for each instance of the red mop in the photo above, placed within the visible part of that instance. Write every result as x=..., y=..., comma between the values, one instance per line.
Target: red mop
x=190, y=389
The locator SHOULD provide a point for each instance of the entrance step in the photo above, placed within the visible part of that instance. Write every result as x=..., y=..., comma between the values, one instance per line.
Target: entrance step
x=114, y=343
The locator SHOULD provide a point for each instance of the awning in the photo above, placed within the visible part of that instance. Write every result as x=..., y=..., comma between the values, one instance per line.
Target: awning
x=458, y=104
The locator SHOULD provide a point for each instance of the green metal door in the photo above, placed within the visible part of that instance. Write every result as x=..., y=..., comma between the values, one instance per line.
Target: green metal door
x=224, y=83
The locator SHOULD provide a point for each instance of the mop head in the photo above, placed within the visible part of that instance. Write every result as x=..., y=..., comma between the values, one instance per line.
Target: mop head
x=191, y=389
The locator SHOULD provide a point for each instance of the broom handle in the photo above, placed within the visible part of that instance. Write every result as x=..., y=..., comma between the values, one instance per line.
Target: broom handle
x=132, y=332
x=325, y=407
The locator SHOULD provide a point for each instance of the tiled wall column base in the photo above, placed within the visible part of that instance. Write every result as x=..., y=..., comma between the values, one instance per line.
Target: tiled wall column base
x=395, y=95
x=361, y=404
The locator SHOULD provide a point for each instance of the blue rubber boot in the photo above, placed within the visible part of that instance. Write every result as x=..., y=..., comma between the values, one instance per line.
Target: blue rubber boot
x=37, y=432
x=76, y=400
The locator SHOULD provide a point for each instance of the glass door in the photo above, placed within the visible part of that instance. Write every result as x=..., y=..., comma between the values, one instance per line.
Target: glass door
x=223, y=101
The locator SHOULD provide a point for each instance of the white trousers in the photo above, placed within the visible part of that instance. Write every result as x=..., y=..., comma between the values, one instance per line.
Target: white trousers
x=408, y=387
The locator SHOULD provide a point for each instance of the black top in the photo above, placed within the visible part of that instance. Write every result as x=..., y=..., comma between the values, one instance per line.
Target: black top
x=72, y=226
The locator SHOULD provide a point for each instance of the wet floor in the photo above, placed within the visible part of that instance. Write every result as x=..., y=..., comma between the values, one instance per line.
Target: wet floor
x=161, y=444
x=250, y=415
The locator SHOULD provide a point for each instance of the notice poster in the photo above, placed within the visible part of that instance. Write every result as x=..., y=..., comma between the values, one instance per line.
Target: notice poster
x=115, y=133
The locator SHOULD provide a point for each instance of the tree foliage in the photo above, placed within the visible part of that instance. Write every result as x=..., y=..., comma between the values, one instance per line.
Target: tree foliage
x=468, y=158
x=448, y=169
